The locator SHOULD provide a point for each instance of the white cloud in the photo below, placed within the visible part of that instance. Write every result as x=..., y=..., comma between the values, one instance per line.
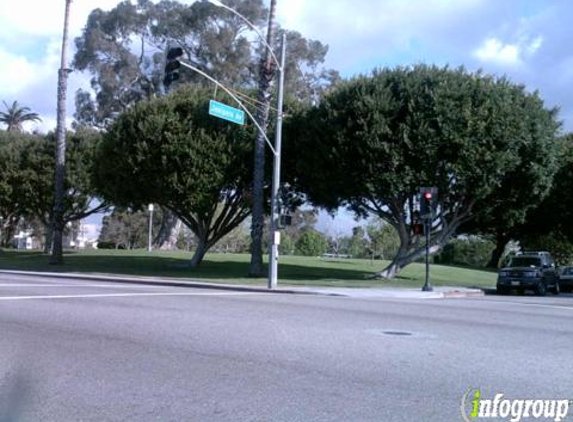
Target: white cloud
x=493, y=50
x=16, y=73
x=31, y=83
x=30, y=48
x=34, y=84
x=45, y=17
x=374, y=32
x=490, y=34
x=535, y=45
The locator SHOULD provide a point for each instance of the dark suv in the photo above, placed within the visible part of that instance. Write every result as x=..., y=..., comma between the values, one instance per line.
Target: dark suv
x=529, y=271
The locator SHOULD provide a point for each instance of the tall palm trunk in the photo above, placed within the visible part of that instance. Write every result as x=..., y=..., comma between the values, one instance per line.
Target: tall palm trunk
x=58, y=217
x=264, y=97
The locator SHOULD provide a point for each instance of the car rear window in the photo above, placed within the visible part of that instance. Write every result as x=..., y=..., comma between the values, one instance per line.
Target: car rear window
x=525, y=261
x=567, y=271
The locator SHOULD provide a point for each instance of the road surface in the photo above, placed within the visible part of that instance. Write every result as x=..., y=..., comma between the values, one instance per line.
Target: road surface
x=73, y=350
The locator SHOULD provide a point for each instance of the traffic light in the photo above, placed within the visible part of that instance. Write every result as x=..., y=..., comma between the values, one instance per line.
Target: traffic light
x=172, y=66
x=428, y=202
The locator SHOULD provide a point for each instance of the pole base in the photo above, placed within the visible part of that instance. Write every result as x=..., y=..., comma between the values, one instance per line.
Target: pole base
x=427, y=289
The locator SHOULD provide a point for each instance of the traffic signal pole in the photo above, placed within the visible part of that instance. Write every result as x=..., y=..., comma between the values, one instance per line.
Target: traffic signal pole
x=275, y=234
x=427, y=285
x=171, y=75
x=428, y=203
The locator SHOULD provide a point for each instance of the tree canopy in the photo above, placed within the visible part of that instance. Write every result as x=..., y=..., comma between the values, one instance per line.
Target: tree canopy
x=520, y=196
x=125, y=229
x=27, y=177
x=12, y=207
x=170, y=152
x=124, y=51
x=376, y=139
x=548, y=226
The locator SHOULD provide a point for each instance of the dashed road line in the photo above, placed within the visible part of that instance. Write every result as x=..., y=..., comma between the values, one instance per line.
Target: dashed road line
x=529, y=304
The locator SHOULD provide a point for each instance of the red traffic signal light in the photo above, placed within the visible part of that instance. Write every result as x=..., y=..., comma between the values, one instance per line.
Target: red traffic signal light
x=428, y=202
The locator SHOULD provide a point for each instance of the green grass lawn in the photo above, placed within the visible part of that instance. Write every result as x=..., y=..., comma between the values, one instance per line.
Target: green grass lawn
x=233, y=268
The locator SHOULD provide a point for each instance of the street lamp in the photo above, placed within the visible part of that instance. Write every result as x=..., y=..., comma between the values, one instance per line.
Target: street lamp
x=274, y=233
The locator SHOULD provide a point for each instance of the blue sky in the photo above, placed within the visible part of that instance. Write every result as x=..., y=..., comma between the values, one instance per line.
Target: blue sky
x=527, y=40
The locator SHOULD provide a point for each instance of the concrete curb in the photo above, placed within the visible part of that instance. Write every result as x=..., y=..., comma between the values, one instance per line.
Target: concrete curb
x=169, y=283
x=365, y=293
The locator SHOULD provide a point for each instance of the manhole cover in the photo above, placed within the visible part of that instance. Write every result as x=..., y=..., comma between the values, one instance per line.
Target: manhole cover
x=397, y=333
x=386, y=332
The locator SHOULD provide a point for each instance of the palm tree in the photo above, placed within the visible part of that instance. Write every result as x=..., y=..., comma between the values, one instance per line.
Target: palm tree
x=58, y=223
x=15, y=115
x=258, y=218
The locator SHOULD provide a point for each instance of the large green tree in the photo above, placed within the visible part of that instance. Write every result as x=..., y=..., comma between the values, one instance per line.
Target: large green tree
x=27, y=177
x=374, y=141
x=549, y=226
x=123, y=50
x=170, y=152
x=519, y=195
x=37, y=185
x=128, y=229
x=12, y=207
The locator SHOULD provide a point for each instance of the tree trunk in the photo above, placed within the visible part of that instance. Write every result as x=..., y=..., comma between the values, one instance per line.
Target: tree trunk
x=170, y=244
x=8, y=232
x=409, y=252
x=501, y=241
x=168, y=223
x=402, y=260
x=58, y=223
x=57, y=244
x=392, y=270
x=48, y=239
x=266, y=76
x=199, y=254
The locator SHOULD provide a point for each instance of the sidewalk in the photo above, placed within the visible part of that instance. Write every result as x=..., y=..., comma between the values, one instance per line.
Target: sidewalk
x=390, y=293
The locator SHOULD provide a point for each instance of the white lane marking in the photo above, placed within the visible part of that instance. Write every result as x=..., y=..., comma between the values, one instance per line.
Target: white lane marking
x=537, y=305
x=108, y=286
x=97, y=295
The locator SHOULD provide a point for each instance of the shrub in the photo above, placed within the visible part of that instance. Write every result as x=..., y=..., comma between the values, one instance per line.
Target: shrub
x=472, y=251
x=311, y=243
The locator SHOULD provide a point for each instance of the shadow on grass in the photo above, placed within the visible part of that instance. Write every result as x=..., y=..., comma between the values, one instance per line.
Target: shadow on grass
x=167, y=266
x=469, y=267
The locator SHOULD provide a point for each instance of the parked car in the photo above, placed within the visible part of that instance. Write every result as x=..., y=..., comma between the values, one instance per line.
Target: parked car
x=566, y=279
x=533, y=271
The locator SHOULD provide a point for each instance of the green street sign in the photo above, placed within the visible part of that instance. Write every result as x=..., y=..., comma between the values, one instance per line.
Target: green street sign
x=225, y=112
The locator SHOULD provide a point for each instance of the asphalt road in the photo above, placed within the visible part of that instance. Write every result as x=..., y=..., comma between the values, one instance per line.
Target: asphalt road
x=85, y=351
